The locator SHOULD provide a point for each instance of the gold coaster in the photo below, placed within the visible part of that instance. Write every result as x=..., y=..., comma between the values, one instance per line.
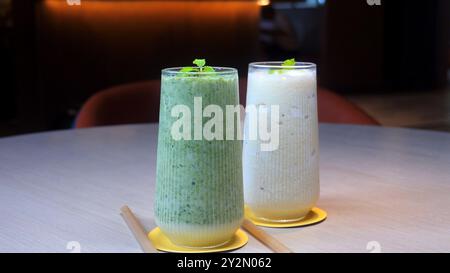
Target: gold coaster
x=315, y=216
x=161, y=242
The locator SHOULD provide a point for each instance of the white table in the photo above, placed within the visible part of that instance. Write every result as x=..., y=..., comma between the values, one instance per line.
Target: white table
x=383, y=188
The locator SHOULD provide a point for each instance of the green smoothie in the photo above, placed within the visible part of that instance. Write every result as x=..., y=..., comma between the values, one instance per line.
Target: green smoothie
x=199, y=191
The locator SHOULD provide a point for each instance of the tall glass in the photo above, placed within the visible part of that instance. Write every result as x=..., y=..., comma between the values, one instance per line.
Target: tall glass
x=282, y=185
x=199, y=191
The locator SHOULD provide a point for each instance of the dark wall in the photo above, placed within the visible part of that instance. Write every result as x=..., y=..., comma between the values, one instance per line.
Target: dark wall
x=7, y=95
x=416, y=44
x=28, y=100
x=352, y=53
x=399, y=45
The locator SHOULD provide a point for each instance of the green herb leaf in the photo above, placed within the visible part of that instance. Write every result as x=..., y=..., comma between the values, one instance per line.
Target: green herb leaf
x=285, y=65
x=200, y=67
x=289, y=62
x=187, y=69
x=200, y=63
x=208, y=69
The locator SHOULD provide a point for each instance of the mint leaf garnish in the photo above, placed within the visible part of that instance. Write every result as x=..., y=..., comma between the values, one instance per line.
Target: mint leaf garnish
x=289, y=62
x=187, y=69
x=285, y=66
x=200, y=67
x=208, y=69
x=200, y=63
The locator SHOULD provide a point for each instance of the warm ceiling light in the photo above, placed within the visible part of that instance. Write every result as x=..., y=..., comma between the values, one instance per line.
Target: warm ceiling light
x=263, y=2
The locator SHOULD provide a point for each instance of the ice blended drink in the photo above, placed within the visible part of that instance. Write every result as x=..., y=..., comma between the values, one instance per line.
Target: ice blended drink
x=199, y=191
x=283, y=185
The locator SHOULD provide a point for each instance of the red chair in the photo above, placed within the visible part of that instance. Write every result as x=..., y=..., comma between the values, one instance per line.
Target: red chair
x=139, y=103
x=334, y=108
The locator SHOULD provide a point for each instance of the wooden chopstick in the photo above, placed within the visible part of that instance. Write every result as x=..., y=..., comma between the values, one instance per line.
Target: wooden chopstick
x=269, y=241
x=141, y=236
x=138, y=231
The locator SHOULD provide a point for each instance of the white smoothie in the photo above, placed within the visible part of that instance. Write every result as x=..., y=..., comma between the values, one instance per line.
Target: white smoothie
x=283, y=185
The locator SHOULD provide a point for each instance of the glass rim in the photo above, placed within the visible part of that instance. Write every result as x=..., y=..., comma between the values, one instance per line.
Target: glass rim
x=278, y=64
x=219, y=70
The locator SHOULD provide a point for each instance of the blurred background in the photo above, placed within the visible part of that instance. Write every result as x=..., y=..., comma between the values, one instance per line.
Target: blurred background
x=389, y=58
